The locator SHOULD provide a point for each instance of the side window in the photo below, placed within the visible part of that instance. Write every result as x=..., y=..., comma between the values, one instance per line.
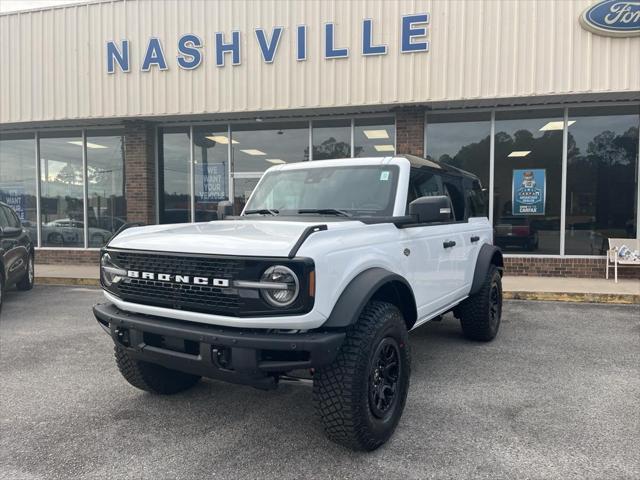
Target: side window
x=423, y=183
x=476, y=201
x=4, y=220
x=14, y=221
x=453, y=189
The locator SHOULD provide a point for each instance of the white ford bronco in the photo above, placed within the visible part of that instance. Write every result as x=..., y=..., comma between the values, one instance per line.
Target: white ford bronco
x=319, y=279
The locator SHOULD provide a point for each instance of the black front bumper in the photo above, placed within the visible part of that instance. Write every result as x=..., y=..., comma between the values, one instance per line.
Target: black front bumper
x=251, y=357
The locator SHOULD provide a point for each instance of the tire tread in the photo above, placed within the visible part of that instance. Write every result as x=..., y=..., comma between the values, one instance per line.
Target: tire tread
x=337, y=393
x=474, y=311
x=152, y=378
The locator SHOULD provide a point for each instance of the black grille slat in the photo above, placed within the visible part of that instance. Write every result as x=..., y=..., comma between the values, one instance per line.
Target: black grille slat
x=197, y=298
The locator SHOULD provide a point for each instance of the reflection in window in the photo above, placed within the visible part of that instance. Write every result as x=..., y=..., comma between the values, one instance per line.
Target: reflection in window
x=461, y=140
x=258, y=146
x=602, y=163
x=107, y=209
x=211, y=170
x=174, y=158
x=374, y=137
x=18, y=178
x=331, y=139
x=242, y=188
x=528, y=179
x=61, y=177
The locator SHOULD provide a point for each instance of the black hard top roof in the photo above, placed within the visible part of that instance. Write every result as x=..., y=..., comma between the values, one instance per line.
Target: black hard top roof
x=419, y=162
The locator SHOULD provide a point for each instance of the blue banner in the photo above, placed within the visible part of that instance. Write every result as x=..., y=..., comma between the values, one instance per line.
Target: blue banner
x=211, y=182
x=14, y=196
x=529, y=191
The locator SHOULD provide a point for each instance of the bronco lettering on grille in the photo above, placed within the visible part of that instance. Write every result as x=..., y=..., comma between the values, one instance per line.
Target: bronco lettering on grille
x=165, y=277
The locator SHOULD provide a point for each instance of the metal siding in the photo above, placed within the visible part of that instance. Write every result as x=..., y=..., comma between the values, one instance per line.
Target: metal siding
x=53, y=61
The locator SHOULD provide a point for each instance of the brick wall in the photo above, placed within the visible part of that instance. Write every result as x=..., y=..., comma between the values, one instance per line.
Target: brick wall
x=564, y=267
x=61, y=256
x=140, y=185
x=410, y=131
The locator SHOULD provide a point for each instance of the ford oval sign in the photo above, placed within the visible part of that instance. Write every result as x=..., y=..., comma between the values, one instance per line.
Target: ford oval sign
x=615, y=18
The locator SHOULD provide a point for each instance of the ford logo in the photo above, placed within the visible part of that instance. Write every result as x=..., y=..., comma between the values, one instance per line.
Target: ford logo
x=616, y=18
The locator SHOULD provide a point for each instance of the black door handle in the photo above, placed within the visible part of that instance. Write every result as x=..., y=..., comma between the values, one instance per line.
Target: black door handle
x=449, y=244
x=474, y=239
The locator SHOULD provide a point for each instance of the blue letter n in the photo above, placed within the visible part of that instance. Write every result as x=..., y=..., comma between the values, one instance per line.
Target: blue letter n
x=115, y=56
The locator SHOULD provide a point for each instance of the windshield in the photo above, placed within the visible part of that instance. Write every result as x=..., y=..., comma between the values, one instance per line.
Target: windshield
x=367, y=190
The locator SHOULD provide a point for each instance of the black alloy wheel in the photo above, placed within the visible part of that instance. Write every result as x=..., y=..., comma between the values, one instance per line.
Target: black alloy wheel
x=495, y=304
x=384, y=372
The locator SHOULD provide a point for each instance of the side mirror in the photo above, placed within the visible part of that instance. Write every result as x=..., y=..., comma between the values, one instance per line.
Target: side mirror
x=7, y=232
x=431, y=209
x=225, y=209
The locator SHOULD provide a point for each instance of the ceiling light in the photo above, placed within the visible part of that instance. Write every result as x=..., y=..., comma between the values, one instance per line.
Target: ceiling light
x=253, y=151
x=556, y=125
x=89, y=144
x=222, y=139
x=384, y=148
x=519, y=153
x=376, y=134
x=275, y=161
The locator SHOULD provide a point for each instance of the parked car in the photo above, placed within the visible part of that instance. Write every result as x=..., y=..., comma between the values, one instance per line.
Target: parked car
x=16, y=252
x=327, y=269
x=520, y=232
x=68, y=231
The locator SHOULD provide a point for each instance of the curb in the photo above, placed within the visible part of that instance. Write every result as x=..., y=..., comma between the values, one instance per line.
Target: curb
x=612, y=298
x=91, y=282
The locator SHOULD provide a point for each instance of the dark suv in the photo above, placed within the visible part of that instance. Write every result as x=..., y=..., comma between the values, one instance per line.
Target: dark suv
x=16, y=252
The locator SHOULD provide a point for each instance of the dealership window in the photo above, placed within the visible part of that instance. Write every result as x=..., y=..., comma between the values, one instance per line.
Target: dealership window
x=461, y=140
x=18, y=177
x=62, y=189
x=107, y=210
x=374, y=137
x=258, y=146
x=602, y=173
x=331, y=139
x=210, y=170
x=528, y=181
x=174, y=175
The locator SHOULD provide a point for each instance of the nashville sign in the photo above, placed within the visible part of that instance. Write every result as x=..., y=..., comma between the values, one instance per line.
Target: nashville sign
x=192, y=49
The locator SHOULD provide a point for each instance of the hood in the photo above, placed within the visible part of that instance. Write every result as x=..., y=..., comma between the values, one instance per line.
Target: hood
x=264, y=238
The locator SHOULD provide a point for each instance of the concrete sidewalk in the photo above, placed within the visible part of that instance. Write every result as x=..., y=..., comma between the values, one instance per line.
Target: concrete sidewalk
x=596, y=290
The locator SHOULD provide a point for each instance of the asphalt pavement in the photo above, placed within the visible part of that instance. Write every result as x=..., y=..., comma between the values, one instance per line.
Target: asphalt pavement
x=556, y=395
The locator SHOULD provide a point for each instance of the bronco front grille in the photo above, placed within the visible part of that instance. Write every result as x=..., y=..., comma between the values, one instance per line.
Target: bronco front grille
x=197, y=298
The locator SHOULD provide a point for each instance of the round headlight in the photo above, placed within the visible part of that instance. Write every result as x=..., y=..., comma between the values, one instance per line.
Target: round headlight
x=287, y=289
x=110, y=272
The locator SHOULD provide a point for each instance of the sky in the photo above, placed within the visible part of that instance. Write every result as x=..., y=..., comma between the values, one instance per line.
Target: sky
x=12, y=5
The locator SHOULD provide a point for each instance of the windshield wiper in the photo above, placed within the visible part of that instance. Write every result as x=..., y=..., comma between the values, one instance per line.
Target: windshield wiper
x=325, y=211
x=262, y=211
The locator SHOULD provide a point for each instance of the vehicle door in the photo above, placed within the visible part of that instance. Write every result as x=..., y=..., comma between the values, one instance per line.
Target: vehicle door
x=458, y=237
x=10, y=242
x=429, y=260
x=478, y=218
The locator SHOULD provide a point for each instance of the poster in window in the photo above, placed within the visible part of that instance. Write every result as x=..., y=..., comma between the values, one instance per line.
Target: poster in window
x=529, y=191
x=211, y=182
x=14, y=196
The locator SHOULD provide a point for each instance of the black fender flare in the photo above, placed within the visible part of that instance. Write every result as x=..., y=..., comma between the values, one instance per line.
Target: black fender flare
x=489, y=255
x=361, y=290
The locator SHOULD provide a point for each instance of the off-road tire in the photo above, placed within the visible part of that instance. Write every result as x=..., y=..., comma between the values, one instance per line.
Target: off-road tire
x=341, y=391
x=26, y=283
x=480, y=314
x=152, y=378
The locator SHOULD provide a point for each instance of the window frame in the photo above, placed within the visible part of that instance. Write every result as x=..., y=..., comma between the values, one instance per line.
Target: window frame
x=491, y=187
